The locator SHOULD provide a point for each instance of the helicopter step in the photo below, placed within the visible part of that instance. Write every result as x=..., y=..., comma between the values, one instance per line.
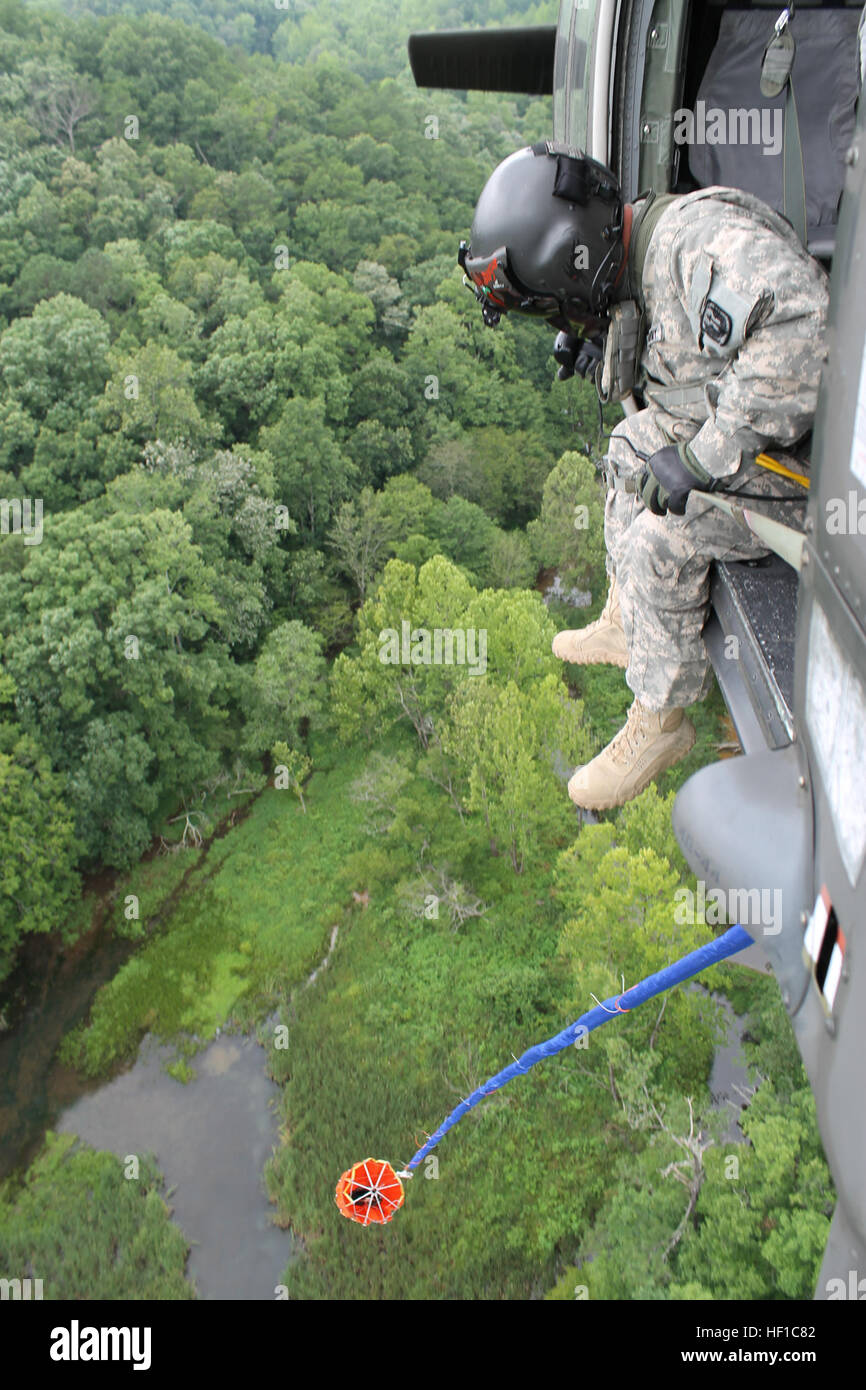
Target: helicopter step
x=750, y=640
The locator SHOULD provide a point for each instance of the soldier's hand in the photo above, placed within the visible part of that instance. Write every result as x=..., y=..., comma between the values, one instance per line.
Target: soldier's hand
x=576, y=356
x=670, y=475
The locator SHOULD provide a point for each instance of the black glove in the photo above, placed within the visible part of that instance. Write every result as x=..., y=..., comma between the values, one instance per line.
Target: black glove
x=576, y=356
x=669, y=477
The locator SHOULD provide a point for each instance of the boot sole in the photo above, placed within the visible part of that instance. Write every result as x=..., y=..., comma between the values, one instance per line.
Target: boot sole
x=599, y=659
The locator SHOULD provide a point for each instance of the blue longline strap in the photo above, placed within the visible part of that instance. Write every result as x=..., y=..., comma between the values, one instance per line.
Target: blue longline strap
x=734, y=939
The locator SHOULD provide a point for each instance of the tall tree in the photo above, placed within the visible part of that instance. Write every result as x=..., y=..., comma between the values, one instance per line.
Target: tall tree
x=508, y=743
x=118, y=669
x=288, y=687
x=37, y=867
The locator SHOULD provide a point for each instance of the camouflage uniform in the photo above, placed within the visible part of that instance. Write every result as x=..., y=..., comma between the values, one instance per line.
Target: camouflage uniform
x=728, y=291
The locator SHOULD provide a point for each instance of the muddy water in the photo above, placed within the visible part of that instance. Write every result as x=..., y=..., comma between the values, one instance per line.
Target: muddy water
x=50, y=991
x=211, y=1138
x=732, y=1083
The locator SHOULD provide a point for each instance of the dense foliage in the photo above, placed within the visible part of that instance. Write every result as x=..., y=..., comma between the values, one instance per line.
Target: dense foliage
x=229, y=315
x=91, y=1228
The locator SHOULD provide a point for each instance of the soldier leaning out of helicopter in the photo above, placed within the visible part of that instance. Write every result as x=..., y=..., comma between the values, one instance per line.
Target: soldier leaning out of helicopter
x=711, y=306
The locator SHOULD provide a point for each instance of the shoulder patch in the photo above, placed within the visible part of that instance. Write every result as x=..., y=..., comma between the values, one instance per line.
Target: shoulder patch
x=716, y=323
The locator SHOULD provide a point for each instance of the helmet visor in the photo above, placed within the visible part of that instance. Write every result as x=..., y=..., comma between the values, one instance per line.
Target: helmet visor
x=493, y=279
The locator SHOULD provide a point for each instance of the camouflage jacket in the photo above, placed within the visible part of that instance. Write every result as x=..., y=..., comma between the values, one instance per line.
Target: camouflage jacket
x=736, y=312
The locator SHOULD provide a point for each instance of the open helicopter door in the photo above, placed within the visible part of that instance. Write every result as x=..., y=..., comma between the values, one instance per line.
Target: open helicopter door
x=793, y=820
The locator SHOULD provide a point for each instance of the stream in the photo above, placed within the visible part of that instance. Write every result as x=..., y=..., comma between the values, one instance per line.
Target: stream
x=48, y=993
x=729, y=1079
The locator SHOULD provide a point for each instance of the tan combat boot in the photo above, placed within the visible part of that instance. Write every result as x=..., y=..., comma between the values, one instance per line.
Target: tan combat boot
x=647, y=744
x=601, y=642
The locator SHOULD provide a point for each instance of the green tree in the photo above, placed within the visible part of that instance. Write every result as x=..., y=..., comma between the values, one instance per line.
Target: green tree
x=150, y=396
x=287, y=686
x=569, y=534
x=502, y=471
x=118, y=670
x=295, y=766
x=762, y=1231
x=519, y=636
x=312, y=474
x=510, y=561
x=372, y=683
x=37, y=872
x=392, y=315
x=76, y=1224
x=507, y=741
x=407, y=506
x=361, y=540
x=54, y=363
x=150, y=63
x=465, y=533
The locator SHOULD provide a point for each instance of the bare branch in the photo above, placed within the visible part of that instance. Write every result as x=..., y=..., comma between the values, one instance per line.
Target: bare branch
x=688, y=1170
x=60, y=103
x=459, y=901
x=655, y=1030
x=190, y=828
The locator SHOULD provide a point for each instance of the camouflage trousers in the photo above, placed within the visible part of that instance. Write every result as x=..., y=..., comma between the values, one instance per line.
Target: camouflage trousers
x=662, y=563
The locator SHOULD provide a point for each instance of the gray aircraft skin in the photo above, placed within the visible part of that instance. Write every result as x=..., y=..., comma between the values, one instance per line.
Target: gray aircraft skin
x=789, y=817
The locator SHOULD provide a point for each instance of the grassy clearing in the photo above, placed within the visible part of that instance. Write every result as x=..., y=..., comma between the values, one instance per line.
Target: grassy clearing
x=254, y=917
x=152, y=883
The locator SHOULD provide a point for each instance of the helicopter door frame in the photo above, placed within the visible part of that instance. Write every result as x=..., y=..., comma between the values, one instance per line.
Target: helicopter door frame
x=583, y=67
x=602, y=64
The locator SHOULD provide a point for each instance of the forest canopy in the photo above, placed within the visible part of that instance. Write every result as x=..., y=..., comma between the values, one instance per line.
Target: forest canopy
x=230, y=317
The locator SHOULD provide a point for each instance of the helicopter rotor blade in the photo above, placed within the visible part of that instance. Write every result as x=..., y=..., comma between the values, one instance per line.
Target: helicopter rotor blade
x=485, y=60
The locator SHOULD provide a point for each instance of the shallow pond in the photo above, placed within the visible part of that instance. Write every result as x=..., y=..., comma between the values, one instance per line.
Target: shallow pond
x=212, y=1138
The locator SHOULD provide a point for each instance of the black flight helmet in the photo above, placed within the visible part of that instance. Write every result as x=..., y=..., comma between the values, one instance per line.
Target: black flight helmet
x=546, y=238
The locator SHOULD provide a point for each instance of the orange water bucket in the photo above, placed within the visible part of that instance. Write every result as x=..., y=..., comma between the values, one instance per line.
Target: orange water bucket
x=370, y=1192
